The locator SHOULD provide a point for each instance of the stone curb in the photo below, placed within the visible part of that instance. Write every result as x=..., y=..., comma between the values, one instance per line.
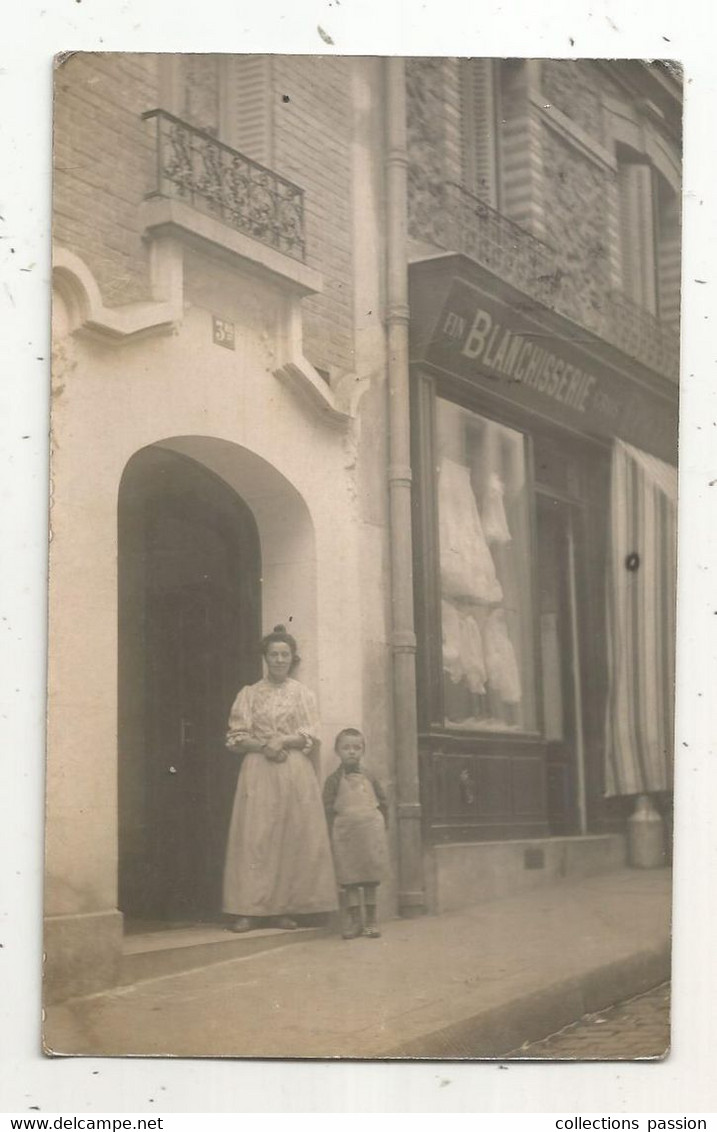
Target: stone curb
x=492, y=1033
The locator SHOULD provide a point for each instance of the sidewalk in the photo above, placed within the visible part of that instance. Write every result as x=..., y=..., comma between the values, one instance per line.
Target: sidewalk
x=471, y=984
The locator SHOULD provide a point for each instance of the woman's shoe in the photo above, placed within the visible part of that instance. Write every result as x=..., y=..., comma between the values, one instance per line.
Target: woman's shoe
x=371, y=932
x=286, y=923
x=242, y=924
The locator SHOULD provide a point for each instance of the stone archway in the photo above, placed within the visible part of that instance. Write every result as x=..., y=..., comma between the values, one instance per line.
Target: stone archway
x=214, y=544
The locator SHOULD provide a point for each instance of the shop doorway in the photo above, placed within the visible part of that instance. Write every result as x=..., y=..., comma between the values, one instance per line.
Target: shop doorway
x=560, y=555
x=189, y=627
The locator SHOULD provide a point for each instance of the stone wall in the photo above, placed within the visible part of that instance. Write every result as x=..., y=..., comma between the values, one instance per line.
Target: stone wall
x=426, y=138
x=575, y=88
x=577, y=223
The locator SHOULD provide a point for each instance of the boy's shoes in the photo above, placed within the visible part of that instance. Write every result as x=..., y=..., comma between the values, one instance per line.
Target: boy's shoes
x=370, y=930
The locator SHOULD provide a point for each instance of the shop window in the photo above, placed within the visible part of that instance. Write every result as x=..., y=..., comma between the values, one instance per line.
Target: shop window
x=650, y=237
x=485, y=555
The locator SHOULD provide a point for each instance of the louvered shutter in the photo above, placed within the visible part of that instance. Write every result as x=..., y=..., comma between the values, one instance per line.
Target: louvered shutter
x=668, y=256
x=637, y=229
x=247, y=106
x=480, y=118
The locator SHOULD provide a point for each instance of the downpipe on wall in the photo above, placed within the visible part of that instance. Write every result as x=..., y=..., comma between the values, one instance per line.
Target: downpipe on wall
x=411, y=894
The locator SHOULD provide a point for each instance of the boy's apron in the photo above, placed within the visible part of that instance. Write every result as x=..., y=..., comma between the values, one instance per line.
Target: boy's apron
x=358, y=837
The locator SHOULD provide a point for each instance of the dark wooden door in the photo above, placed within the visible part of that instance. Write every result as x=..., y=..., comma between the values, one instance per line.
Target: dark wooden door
x=191, y=597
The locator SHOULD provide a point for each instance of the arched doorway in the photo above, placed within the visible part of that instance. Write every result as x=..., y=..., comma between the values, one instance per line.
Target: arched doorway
x=189, y=626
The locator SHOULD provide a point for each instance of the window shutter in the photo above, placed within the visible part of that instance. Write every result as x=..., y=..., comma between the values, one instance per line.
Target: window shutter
x=247, y=106
x=480, y=117
x=668, y=256
x=637, y=229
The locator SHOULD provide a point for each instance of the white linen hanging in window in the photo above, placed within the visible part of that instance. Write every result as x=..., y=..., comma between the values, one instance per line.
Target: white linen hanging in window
x=467, y=568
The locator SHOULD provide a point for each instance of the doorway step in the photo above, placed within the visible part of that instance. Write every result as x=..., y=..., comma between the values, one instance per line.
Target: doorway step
x=153, y=954
x=460, y=874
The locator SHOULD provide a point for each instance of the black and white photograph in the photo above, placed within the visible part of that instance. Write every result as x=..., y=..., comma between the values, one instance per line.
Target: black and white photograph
x=362, y=584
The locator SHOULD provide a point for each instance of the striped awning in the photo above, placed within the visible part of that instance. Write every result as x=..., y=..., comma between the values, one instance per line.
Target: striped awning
x=641, y=581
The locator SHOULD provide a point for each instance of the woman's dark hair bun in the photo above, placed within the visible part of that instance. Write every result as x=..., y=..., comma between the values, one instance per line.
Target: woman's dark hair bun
x=279, y=633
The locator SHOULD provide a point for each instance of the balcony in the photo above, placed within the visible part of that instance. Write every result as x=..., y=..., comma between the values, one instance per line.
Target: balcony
x=195, y=168
x=448, y=216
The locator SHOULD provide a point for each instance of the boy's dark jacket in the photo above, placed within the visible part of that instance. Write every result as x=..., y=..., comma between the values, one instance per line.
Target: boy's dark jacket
x=331, y=789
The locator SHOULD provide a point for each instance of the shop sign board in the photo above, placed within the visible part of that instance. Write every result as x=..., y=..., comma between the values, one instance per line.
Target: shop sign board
x=492, y=345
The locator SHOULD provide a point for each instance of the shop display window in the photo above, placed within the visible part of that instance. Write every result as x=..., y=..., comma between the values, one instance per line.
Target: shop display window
x=485, y=573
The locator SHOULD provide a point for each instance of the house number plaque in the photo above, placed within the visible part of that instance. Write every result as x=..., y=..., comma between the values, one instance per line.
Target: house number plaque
x=223, y=332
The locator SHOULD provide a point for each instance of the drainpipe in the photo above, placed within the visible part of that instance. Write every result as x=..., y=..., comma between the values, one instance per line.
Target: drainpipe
x=411, y=898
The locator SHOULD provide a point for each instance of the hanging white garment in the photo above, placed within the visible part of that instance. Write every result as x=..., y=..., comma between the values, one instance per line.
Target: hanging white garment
x=501, y=666
x=467, y=568
x=451, y=623
x=495, y=522
x=472, y=657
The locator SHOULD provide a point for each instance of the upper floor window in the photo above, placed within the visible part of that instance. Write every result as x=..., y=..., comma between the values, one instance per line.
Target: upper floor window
x=227, y=96
x=495, y=147
x=200, y=92
x=649, y=236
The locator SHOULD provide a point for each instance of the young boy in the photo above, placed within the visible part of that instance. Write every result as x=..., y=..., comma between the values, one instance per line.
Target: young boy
x=357, y=816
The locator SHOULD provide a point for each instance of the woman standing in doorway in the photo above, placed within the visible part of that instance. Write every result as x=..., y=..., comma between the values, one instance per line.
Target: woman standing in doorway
x=278, y=860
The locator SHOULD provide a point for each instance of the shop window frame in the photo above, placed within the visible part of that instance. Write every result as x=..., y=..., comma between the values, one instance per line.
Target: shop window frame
x=443, y=749
x=427, y=390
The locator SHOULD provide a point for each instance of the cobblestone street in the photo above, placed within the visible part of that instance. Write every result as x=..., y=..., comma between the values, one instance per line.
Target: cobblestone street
x=639, y=1028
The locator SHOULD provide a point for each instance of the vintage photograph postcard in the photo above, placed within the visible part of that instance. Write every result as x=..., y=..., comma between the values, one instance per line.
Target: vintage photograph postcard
x=362, y=580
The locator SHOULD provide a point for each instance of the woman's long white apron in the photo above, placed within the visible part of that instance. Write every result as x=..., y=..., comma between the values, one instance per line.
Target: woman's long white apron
x=278, y=857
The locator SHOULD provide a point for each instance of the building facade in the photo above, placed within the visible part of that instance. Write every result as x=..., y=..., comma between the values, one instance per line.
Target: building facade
x=382, y=350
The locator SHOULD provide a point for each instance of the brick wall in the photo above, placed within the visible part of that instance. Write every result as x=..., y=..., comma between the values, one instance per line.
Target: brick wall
x=104, y=157
x=311, y=139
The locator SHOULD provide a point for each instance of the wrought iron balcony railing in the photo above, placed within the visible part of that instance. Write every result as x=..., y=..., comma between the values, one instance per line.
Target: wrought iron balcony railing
x=448, y=216
x=500, y=245
x=195, y=167
x=641, y=335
